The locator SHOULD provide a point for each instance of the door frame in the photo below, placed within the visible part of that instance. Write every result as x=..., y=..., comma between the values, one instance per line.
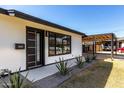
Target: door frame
x=42, y=43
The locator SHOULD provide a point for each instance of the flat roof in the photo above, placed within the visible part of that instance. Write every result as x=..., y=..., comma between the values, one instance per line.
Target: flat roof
x=120, y=38
x=38, y=20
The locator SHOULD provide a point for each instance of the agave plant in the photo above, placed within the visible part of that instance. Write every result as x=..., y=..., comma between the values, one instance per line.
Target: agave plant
x=15, y=80
x=79, y=61
x=93, y=57
x=62, y=67
x=87, y=58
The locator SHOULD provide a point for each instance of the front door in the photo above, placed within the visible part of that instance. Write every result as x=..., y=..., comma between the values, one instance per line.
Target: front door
x=34, y=47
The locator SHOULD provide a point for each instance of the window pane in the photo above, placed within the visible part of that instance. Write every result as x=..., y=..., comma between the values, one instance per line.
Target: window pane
x=58, y=40
x=59, y=45
x=52, y=39
x=52, y=51
x=66, y=40
x=66, y=49
x=51, y=44
x=59, y=50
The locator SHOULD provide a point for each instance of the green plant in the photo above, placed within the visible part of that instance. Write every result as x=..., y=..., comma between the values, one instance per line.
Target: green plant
x=79, y=61
x=15, y=80
x=62, y=67
x=94, y=57
x=87, y=58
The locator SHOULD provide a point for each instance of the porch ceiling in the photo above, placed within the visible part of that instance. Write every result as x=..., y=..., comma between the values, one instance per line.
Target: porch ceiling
x=99, y=37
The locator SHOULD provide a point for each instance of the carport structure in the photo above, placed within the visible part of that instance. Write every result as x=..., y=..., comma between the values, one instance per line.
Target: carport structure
x=99, y=38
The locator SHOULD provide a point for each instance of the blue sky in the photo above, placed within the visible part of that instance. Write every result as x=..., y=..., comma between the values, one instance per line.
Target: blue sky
x=86, y=19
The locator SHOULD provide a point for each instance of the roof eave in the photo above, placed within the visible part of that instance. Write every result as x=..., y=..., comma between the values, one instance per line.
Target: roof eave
x=38, y=20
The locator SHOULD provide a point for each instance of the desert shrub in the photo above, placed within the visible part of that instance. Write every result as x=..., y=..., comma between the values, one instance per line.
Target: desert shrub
x=87, y=58
x=62, y=67
x=80, y=62
x=15, y=80
x=94, y=57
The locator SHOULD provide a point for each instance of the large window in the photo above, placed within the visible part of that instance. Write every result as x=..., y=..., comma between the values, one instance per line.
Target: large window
x=59, y=44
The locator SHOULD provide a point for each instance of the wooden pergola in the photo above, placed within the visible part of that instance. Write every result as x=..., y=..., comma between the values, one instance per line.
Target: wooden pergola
x=101, y=37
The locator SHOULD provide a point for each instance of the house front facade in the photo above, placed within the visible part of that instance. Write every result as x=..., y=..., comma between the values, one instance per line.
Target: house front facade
x=28, y=42
x=120, y=42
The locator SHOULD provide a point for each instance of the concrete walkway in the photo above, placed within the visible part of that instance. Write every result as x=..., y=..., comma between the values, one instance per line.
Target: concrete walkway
x=45, y=71
x=55, y=80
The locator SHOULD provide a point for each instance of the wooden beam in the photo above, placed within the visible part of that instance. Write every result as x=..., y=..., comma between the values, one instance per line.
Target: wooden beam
x=116, y=46
x=99, y=37
x=112, y=47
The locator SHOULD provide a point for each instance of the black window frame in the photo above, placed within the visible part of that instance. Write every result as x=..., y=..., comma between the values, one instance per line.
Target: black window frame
x=56, y=34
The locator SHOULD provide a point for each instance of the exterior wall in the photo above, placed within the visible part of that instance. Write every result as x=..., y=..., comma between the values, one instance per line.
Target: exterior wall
x=122, y=44
x=13, y=30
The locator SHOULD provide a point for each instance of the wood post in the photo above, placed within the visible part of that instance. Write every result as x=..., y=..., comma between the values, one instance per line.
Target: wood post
x=93, y=48
x=112, y=47
x=116, y=46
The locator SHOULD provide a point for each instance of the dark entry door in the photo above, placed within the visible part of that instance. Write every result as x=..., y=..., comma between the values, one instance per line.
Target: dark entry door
x=34, y=48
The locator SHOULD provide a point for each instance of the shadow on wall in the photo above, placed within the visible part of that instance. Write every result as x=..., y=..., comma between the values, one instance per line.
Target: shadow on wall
x=95, y=76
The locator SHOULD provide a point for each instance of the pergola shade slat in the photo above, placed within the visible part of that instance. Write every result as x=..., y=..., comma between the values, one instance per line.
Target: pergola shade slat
x=99, y=37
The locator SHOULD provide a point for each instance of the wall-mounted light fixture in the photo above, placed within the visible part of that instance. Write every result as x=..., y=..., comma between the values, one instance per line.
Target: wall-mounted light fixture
x=11, y=12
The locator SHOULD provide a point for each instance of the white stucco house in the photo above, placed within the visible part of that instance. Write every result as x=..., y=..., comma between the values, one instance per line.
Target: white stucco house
x=29, y=42
x=120, y=42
